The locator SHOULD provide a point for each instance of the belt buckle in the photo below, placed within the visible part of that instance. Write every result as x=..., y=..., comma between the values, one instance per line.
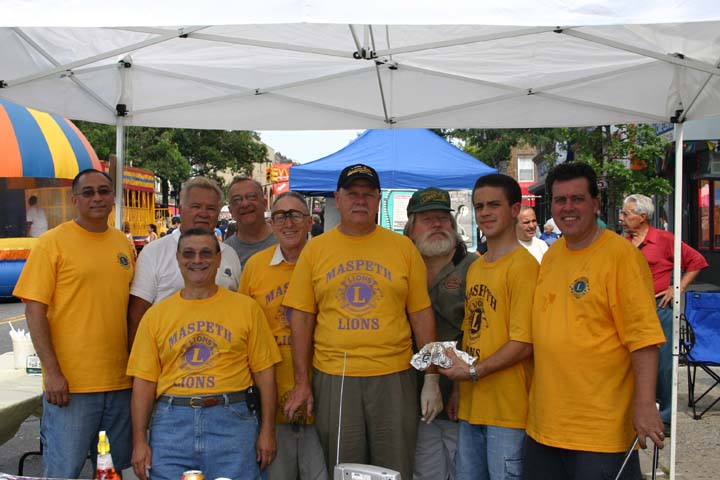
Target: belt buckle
x=197, y=402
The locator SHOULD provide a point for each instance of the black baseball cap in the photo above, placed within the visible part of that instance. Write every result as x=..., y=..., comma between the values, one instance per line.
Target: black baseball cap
x=356, y=172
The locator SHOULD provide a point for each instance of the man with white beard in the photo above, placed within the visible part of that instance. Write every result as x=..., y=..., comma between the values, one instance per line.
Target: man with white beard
x=434, y=231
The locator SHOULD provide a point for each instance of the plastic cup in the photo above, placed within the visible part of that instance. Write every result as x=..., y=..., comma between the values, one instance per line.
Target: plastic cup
x=22, y=348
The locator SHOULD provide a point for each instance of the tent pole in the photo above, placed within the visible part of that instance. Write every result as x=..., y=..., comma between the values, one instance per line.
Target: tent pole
x=120, y=151
x=677, y=230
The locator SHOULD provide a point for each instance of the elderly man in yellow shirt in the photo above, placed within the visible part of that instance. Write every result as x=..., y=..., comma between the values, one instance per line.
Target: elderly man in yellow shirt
x=195, y=359
x=358, y=294
x=265, y=278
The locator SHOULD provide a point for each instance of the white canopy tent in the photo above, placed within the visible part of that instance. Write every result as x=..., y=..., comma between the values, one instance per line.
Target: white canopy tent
x=324, y=64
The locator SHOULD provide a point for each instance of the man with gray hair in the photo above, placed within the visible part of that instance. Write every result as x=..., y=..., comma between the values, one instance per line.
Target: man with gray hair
x=434, y=231
x=657, y=246
x=247, y=205
x=157, y=274
x=358, y=297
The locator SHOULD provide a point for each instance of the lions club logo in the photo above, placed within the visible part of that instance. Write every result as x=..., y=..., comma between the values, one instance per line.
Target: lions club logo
x=282, y=317
x=358, y=294
x=198, y=352
x=123, y=260
x=580, y=287
x=477, y=317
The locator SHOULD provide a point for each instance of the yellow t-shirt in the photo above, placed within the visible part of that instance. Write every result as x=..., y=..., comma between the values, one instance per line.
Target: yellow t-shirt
x=199, y=347
x=267, y=285
x=498, y=306
x=592, y=308
x=84, y=279
x=360, y=288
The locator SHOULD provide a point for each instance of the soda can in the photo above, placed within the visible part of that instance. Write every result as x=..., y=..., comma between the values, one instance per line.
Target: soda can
x=193, y=475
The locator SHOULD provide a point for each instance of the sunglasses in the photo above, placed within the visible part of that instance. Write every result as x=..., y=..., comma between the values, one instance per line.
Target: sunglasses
x=90, y=193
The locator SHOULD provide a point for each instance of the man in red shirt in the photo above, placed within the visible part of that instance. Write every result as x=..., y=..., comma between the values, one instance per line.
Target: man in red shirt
x=657, y=247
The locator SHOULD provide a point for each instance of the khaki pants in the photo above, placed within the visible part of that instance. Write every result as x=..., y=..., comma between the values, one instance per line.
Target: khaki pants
x=435, y=450
x=299, y=454
x=379, y=419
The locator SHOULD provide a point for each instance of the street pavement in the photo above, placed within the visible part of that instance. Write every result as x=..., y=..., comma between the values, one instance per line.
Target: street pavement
x=698, y=441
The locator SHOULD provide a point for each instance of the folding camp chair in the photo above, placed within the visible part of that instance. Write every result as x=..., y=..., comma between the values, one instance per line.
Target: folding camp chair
x=700, y=343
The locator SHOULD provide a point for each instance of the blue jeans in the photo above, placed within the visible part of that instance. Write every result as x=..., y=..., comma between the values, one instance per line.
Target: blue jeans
x=219, y=440
x=69, y=433
x=665, y=363
x=488, y=453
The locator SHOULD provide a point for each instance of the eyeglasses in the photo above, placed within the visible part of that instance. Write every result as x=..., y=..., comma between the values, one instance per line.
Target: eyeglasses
x=250, y=197
x=280, y=217
x=205, y=254
x=90, y=193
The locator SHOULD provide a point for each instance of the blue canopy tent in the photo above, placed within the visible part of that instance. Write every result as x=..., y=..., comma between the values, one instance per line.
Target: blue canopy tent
x=404, y=159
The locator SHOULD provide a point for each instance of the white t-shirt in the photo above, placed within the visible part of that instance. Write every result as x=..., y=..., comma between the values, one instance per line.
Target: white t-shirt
x=157, y=273
x=36, y=215
x=536, y=247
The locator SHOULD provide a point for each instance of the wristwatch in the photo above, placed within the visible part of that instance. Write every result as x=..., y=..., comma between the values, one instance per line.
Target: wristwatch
x=473, y=373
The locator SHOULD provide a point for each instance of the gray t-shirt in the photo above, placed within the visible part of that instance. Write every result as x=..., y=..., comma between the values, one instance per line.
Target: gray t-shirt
x=245, y=250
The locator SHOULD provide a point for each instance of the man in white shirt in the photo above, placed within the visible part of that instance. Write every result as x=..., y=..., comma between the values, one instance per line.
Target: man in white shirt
x=526, y=226
x=36, y=220
x=157, y=274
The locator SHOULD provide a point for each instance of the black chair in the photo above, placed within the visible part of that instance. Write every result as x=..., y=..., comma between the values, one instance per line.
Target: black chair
x=21, y=463
x=700, y=344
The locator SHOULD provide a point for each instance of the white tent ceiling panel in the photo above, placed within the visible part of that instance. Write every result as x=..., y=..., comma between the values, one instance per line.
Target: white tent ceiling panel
x=65, y=98
x=269, y=111
x=176, y=12
x=611, y=91
x=710, y=97
x=340, y=75
x=536, y=111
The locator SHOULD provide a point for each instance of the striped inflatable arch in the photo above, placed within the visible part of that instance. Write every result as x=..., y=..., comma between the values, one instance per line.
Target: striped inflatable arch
x=41, y=145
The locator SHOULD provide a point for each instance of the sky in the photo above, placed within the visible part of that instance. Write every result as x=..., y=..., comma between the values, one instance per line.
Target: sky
x=308, y=145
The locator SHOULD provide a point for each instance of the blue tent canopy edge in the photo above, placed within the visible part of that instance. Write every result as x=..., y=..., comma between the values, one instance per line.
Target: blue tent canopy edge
x=403, y=158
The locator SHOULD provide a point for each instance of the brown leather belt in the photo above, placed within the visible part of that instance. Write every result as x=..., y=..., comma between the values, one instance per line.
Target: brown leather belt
x=203, y=401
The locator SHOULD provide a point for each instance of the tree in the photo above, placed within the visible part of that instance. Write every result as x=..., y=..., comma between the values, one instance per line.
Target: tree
x=174, y=155
x=493, y=146
x=155, y=149
x=213, y=151
x=623, y=156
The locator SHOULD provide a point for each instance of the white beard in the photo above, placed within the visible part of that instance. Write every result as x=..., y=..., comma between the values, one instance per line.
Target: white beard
x=436, y=247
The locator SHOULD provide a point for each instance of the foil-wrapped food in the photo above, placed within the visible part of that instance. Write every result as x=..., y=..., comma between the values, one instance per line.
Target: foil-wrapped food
x=434, y=354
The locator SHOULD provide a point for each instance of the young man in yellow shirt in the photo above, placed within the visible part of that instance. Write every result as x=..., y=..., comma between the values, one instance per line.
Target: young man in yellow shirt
x=493, y=394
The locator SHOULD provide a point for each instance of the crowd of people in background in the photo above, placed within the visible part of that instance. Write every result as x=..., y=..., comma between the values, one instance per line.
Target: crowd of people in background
x=243, y=349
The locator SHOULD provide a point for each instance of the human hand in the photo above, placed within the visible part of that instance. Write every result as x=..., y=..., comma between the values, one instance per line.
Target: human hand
x=57, y=391
x=430, y=398
x=665, y=296
x=459, y=369
x=648, y=424
x=265, y=447
x=300, y=395
x=141, y=460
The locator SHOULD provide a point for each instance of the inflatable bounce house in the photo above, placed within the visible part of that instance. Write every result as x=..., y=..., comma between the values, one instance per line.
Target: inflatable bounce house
x=40, y=153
